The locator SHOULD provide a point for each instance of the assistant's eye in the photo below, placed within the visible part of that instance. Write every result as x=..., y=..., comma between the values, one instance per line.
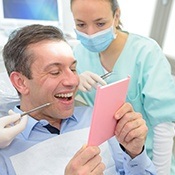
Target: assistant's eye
x=80, y=25
x=100, y=24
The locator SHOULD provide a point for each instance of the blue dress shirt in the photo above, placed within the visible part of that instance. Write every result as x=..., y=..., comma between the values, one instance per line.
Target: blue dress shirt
x=35, y=133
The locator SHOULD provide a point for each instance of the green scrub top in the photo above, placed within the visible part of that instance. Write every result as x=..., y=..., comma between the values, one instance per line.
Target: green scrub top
x=152, y=87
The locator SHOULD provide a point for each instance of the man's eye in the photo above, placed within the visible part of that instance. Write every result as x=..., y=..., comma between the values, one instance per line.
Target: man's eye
x=74, y=70
x=54, y=72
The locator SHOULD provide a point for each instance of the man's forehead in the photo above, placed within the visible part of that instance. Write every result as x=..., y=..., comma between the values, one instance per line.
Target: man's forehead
x=50, y=48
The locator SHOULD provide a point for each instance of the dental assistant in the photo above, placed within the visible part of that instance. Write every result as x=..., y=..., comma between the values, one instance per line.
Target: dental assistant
x=105, y=47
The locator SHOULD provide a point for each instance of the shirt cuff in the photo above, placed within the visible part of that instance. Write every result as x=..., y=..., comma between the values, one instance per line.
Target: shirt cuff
x=141, y=164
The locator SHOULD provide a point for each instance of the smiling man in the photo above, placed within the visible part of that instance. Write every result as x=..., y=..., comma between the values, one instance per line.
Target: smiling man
x=42, y=68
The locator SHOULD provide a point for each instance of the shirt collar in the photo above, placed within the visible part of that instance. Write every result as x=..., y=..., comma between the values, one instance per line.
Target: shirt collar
x=30, y=124
x=33, y=122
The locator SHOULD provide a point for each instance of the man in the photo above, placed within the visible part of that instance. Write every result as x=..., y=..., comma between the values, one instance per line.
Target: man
x=42, y=68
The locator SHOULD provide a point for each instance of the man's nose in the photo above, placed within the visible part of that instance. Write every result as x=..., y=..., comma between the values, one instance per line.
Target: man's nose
x=71, y=79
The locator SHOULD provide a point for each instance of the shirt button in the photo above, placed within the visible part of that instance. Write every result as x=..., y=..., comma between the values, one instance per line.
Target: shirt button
x=134, y=165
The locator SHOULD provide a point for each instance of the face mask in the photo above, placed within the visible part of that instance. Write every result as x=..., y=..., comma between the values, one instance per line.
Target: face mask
x=97, y=42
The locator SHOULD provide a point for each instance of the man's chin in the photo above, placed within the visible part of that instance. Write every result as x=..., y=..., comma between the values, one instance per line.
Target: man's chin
x=67, y=113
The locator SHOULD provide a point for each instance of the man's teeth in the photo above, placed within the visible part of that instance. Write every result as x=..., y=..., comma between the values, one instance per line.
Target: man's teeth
x=64, y=95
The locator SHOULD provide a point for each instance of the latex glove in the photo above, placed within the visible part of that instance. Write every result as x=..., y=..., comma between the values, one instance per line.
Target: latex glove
x=89, y=80
x=10, y=126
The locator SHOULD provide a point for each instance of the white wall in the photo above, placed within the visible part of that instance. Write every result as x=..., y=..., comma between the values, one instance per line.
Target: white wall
x=169, y=43
x=68, y=23
x=137, y=15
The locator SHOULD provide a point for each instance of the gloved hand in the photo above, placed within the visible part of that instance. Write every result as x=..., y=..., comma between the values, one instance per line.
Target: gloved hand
x=89, y=80
x=10, y=126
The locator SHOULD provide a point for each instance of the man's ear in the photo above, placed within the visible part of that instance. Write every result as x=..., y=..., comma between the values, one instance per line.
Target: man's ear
x=19, y=82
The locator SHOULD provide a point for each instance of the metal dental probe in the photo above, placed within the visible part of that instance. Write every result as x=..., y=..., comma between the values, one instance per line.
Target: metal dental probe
x=35, y=109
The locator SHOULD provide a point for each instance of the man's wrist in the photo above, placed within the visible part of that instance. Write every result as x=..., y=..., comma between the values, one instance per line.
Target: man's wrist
x=129, y=153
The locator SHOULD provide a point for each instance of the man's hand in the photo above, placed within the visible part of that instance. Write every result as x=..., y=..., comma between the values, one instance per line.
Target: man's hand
x=86, y=161
x=131, y=130
x=10, y=126
x=89, y=80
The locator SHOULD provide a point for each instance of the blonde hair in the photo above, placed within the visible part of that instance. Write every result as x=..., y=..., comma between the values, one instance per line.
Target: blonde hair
x=114, y=7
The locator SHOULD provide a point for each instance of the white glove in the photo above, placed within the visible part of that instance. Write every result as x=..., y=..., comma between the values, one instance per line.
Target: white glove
x=10, y=126
x=89, y=80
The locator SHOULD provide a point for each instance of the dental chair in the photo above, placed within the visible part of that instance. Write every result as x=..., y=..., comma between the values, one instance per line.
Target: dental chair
x=8, y=94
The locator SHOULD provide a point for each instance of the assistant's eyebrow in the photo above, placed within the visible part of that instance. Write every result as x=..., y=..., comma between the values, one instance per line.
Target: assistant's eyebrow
x=96, y=20
x=99, y=19
x=78, y=20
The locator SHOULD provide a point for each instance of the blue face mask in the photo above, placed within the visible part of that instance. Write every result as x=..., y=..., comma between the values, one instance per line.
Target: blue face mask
x=97, y=42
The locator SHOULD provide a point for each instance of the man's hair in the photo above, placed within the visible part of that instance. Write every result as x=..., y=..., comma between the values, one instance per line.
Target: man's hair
x=15, y=54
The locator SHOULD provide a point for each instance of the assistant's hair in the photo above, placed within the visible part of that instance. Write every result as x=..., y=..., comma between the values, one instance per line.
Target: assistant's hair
x=114, y=7
x=15, y=52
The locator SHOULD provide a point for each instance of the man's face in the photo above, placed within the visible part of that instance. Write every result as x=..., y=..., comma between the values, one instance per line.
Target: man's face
x=54, y=80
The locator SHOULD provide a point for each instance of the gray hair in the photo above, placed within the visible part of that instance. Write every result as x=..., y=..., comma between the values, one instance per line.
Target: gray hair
x=15, y=54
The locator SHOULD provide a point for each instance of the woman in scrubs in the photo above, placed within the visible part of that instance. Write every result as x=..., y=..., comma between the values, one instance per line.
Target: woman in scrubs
x=104, y=48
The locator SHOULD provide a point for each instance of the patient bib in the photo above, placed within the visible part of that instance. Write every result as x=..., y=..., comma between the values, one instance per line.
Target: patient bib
x=50, y=157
